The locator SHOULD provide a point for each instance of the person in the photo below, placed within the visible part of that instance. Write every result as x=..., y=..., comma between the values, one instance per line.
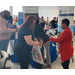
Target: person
x=53, y=22
x=10, y=19
x=74, y=22
x=47, y=22
x=39, y=32
x=42, y=22
x=39, y=65
x=12, y=37
x=5, y=30
x=15, y=20
x=57, y=23
x=65, y=44
x=25, y=42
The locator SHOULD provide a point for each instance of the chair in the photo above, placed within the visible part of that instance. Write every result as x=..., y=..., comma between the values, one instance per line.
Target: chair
x=3, y=60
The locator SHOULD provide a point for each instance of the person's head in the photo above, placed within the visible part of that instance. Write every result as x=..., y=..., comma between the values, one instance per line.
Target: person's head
x=47, y=18
x=42, y=18
x=40, y=40
x=74, y=21
x=54, y=18
x=37, y=21
x=30, y=22
x=6, y=14
x=10, y=19
x=65, y=23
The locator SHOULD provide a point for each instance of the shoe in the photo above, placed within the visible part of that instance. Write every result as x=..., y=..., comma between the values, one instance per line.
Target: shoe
x=49, y=66
x=10, y=58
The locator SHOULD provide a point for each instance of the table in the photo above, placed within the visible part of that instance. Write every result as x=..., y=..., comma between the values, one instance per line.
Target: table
x=53, y=54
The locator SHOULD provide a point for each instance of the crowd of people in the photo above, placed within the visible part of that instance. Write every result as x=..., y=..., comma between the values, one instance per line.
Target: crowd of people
x=32, y=33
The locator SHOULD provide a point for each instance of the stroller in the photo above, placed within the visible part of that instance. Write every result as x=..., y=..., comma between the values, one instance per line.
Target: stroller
x=3, y=59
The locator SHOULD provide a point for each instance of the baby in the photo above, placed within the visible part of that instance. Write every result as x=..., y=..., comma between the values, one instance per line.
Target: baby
x=43, y=52
x=42, y=48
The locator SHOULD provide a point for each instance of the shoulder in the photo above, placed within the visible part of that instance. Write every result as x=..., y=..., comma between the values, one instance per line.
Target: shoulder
x=67, y=32
x=2, y=19
x=25, y=29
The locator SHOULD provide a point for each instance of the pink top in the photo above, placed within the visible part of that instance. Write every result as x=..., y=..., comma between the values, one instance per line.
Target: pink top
x=5, y=31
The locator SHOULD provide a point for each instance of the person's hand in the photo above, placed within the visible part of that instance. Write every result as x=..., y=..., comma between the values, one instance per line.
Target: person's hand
x=17, y=29
x=38, y=43
x=35, y=39
x=50, y=38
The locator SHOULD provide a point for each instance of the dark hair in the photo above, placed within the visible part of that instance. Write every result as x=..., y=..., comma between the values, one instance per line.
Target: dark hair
x=42, y=17
x=37, y=21
x=66, y=21
x=54, y=17
x=29, y=22
x=5, y=12
x=10, y=19
x=39, y=38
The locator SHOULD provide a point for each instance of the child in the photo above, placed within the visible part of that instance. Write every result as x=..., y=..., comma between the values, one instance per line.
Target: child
x=43, y=52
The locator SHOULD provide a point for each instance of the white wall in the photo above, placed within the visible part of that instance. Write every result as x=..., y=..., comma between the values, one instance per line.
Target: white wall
x=48, y=11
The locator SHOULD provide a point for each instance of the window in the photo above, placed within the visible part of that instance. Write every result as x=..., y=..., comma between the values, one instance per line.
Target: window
x=2, y=8
x=17, y=9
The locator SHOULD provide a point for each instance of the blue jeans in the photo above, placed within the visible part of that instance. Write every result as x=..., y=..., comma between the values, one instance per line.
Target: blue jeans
x=4, y=45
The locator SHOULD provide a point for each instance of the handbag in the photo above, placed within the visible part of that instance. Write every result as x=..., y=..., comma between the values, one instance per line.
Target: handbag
x=36, y=54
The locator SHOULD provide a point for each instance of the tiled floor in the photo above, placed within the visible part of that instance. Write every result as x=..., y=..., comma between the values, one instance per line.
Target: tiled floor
x=55, y=65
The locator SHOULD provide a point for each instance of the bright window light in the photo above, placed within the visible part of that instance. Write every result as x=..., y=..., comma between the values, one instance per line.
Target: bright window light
x=2, y=8
x=17, y=9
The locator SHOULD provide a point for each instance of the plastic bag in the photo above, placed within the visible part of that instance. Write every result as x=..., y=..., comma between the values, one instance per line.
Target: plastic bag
x=36, y=54
x=10, y=49
x=2, y=61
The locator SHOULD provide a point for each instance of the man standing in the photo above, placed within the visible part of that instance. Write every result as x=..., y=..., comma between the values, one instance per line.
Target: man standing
x=42, y=22
x=53, y=22
x=5, y=30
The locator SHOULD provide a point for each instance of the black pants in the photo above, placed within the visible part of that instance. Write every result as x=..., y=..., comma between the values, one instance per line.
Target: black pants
x=38, y=66
x=66, y=64
x=24, y=60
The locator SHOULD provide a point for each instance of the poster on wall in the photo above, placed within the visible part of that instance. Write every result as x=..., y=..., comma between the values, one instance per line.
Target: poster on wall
x=20, y=18
x=65, y=12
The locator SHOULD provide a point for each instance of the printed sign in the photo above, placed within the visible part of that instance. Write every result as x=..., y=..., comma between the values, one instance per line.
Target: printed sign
x=20, y=18
x=65, y=12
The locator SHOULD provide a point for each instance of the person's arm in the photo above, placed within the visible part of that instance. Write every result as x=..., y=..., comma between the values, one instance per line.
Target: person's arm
x=35, y=39
x=4, y=29
x=29, y=40
x=62, y=37
x=45, y=56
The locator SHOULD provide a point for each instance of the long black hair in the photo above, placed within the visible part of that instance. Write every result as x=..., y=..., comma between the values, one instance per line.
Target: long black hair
x=37, y=21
